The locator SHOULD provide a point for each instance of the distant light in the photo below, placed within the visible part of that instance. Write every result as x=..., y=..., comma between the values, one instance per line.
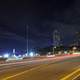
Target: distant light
x=14, y=56
x=6, y=55
x=31, y=54
x=55, y=47
x=36, y=54
x=19, y=56
x=50, y=56
x=65, y=52
x=26, y=54
x=49, y=53
x=1, y=56
x=14, y=51
x=74, y=48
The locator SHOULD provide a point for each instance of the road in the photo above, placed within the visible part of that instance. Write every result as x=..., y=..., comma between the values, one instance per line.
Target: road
x=59, y=68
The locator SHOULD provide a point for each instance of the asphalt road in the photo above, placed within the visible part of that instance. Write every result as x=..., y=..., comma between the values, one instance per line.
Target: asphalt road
x=43, y=69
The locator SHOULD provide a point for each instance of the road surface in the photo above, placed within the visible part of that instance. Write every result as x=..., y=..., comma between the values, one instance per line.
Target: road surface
x=59, y=68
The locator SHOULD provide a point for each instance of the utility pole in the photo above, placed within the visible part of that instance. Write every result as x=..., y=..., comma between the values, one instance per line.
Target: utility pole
x=53, y=44
x=26, y=37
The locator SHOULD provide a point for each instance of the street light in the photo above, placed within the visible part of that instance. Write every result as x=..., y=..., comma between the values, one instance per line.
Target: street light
x=6, y=55
x=31, y=54
x=26, y=37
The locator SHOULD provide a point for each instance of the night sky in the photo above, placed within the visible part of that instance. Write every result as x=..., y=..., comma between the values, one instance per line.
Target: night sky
x=42, y=17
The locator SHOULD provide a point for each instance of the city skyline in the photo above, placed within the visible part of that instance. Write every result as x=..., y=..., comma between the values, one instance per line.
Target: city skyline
x=42, y=20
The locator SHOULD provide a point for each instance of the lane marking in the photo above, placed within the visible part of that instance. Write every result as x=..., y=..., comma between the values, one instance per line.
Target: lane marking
x=7, y=69
x=26, y=62
x=18, y=74
x=21, y=63
x=26, y=71
x=68, y=76
x=42, y=65
x=29, y=69
x=76, y=77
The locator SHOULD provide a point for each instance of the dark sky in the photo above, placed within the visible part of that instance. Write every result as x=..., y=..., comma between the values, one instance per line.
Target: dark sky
x=42, y=18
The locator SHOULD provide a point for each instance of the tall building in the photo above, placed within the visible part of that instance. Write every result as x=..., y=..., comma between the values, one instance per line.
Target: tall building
x=56, y=38
x=77, y=39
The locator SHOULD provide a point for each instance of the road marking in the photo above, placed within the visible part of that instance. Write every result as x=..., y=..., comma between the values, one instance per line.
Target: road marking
x=26, y=71
x=76, y=77
x=18, y=74
x=70, y=75
x=13, y=64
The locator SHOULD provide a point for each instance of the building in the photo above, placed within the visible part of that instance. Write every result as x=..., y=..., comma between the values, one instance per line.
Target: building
x=56, y=38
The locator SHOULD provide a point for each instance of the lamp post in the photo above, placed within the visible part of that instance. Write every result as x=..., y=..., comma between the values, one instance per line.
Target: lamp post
x=26, y=37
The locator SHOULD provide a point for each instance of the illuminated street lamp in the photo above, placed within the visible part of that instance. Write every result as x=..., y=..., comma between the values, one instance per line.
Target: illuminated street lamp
x=6, y=55
x=31, y=54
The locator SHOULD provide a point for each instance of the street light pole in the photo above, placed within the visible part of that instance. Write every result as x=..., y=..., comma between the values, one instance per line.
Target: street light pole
x=26, y=37
x=53, y=42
